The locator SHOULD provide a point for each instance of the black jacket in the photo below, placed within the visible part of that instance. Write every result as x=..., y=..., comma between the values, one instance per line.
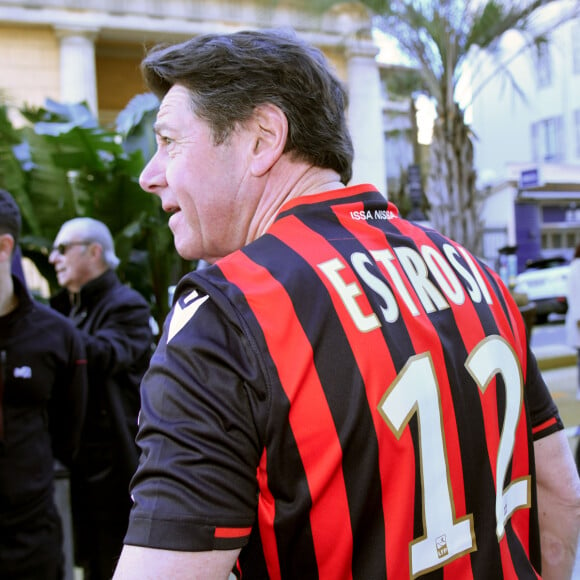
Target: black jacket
x=43, y=394
x=113, y=320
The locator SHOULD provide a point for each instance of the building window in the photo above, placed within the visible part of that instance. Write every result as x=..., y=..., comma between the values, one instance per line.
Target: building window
x=548, y=141
x=535, y=142
x=576, y=46
x=560, y=237
x=577, y=131
x=543, y=65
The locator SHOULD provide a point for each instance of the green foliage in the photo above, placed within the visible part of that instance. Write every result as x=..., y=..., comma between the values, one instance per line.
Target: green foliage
x=62, y=164
x=12, y=174
x=443, y=37
x=403, y=82
x=321, y=6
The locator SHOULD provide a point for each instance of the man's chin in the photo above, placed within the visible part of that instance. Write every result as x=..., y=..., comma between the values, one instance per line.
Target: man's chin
x=185, y=252
x=62, y=281
x=191, y=252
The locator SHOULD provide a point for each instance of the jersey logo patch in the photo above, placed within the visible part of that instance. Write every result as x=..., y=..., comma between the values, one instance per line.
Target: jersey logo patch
x=24, y=372
x=183, y=314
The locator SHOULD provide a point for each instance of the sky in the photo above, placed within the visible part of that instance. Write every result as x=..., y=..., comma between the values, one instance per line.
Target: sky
x=389, y=49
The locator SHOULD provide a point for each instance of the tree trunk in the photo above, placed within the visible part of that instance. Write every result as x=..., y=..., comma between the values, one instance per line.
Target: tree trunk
x=455, y=203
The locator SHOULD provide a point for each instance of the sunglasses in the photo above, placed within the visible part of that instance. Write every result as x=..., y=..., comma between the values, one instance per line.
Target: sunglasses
x=62, y=249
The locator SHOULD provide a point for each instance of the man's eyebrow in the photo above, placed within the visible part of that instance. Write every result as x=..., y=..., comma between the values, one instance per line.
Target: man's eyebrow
x=160, y=127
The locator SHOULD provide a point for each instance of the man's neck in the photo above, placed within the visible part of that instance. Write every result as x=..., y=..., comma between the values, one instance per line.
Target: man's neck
x=75, y=290
x=8, y=299
x=287, y=183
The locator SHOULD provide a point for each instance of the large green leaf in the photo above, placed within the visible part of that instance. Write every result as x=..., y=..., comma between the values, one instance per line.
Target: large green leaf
x=64, y=165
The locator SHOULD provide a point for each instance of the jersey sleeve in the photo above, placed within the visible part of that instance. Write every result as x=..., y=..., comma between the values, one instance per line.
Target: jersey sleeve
x=195, y=488
x=545, y=418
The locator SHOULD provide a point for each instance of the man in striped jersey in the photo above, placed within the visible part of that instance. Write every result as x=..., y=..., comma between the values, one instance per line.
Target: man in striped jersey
x=341, y=393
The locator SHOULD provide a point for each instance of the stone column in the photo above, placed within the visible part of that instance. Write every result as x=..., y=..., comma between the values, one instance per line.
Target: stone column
x=366, y=113
x=78, y=77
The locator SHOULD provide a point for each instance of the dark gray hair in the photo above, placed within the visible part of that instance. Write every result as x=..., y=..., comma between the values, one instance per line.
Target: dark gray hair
x=229, y=75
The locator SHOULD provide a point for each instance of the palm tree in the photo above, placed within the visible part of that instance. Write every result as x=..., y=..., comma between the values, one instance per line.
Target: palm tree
x=444, y=37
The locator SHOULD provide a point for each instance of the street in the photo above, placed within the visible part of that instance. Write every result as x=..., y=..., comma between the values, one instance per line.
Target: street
x=550, y=333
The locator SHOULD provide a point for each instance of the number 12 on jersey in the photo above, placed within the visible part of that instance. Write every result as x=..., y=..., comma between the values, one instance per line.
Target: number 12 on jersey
x=415, y=391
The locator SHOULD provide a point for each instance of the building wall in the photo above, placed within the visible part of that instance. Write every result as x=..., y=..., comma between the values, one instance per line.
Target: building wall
x=121, y=30
x=29, y=67
x=501, y=116
x=504, y=112
x=95, y=46
x=504, y=116
x=30, y=70
x=118, y=77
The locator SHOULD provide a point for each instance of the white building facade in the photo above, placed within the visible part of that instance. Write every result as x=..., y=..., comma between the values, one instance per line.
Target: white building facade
x=527, y=149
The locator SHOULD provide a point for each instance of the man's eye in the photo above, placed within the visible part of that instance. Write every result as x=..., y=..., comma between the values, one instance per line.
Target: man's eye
x=166, y=140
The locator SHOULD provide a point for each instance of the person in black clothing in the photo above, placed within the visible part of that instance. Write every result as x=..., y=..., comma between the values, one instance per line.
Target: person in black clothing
x=113, y=321
x=43, y=388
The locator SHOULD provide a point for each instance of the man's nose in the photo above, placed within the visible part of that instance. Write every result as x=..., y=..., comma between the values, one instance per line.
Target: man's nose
x=53, y=255
x=152, y=178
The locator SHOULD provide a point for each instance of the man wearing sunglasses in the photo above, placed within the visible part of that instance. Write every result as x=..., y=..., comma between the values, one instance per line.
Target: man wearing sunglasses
x=113, y=320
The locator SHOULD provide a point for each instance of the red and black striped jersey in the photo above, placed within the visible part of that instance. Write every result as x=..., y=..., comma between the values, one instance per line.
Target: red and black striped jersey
x=349, y=396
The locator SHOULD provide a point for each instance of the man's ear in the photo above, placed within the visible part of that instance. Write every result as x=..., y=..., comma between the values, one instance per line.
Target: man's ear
x=271, y=132
x=96, y=250
x=6, y=247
